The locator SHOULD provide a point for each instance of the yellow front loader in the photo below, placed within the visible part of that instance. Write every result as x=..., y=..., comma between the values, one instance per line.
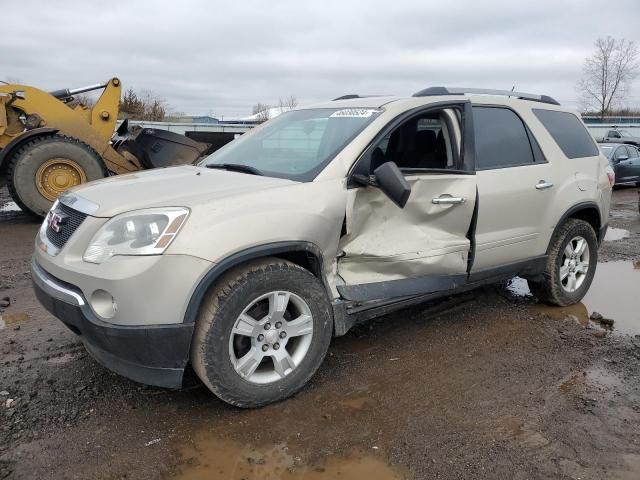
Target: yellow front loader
x=48, y=143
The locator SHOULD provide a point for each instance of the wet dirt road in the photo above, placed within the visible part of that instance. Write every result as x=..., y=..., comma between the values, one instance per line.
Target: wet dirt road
x=487, y=385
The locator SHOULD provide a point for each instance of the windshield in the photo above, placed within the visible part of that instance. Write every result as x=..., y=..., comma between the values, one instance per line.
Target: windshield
x=606, y=150
x=296, y=145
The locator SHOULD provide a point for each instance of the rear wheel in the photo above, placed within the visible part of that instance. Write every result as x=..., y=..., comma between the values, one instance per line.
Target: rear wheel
x=262, y=333
x=46, y=166
x=571, y=264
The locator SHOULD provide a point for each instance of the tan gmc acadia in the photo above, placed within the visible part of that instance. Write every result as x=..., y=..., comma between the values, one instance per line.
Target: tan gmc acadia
x=245, y=266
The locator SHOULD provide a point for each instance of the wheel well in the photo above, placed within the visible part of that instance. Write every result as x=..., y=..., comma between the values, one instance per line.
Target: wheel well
x=304, y=254
x=589, y=215
x=304, y=259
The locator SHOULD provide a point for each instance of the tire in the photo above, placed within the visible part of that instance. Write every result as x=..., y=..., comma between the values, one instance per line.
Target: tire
x=27, y=164
x=555, y=290
x=217, y=352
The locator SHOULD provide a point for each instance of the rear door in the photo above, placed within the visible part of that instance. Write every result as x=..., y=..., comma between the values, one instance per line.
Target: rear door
x=516, y=188
x=387, y=251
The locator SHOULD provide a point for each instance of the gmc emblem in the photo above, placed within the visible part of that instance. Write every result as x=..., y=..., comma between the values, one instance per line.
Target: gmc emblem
x=56, y=221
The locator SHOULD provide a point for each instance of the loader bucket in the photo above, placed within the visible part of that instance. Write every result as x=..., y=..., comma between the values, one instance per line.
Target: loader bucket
x=161, y=148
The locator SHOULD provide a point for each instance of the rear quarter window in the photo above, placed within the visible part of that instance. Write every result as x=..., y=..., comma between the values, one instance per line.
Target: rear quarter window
x=568, y=132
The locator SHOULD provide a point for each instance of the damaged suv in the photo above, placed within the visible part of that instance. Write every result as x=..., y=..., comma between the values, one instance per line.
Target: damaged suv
x=245, y=266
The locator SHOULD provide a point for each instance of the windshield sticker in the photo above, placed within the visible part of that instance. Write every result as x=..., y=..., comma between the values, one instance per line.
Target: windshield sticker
x=355, y=113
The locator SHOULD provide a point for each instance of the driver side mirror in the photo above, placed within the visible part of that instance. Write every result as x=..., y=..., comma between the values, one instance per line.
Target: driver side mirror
x=388, y=178
x=621, y=158
x=392, y=183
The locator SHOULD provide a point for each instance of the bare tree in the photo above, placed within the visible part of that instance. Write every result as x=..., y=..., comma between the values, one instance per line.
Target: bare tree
x=607, y=74
x=288, y=103
x=261, y=110
x=143, y=106
x=81, y=99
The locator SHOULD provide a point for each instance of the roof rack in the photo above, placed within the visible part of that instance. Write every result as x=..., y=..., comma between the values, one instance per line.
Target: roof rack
x=354, y=95
x=432, y=91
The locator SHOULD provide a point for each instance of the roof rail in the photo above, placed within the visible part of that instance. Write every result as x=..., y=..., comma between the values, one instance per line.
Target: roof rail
x=432, y=91
x=354, y=95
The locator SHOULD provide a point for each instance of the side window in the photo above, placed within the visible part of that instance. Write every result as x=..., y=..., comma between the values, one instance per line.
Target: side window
x=633, y=151
x=613, y=134
x=621, y=153
x=568, y=132
x=501, y=138
x=429, y=141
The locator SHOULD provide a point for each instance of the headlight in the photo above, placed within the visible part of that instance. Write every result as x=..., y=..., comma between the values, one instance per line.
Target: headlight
x=142, y=232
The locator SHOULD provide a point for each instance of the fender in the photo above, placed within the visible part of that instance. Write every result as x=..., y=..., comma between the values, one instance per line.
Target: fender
x=600, y=231
x=269, y=249
x=24, y=137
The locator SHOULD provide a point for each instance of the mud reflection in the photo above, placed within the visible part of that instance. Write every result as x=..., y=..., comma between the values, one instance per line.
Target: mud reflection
x=614, y=293
x=10, y=319
x=614, y=234
x=211, y=457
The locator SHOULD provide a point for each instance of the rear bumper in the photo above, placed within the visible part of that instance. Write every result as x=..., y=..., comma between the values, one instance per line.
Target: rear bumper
x=153, y=355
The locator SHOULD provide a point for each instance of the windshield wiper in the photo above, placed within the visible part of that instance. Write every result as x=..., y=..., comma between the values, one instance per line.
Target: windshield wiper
x=236, y=167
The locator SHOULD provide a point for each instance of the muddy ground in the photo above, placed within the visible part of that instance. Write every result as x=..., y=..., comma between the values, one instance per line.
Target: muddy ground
x=487, y=385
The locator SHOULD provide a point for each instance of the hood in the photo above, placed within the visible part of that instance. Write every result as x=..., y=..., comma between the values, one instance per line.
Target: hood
x=169, y=187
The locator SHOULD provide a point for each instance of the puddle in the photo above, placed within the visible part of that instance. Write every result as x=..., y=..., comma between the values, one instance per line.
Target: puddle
x=615, y=234
x=212, y=458
x=10, y=319
x=604, y=378
x=614, y=293
x=632, y=470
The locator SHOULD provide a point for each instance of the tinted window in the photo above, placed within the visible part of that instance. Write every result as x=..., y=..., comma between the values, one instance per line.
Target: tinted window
x=633, y=151
x=501, y=138
x=569, y=133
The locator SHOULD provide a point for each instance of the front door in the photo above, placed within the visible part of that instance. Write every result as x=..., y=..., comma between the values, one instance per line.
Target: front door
x=388, y=251
x=628, y=164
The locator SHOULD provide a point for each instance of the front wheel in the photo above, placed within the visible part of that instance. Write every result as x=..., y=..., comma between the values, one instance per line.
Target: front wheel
x=571, y=264
x=262, y=333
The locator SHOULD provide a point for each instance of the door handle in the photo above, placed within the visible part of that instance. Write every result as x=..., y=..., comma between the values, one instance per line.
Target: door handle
x=447, y=200
x=543, y=185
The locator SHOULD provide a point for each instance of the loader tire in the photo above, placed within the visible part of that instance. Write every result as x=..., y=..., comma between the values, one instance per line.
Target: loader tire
x=46, y=166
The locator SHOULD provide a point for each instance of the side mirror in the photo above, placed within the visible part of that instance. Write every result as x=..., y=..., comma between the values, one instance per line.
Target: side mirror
x=622, y=157
x=391, y=181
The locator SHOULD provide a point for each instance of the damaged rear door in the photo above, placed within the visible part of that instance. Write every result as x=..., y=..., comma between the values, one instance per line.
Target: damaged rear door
x=387, y=251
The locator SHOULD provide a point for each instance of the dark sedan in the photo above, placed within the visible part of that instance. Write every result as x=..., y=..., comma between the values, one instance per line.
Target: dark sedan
x=625, y=160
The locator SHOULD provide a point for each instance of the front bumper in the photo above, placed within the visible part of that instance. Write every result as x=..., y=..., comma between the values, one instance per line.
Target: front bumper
x=149, y=354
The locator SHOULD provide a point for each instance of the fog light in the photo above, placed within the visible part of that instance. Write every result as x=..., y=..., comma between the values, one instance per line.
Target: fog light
x=103, y=304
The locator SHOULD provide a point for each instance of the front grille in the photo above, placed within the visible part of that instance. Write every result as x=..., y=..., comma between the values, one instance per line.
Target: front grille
x=73, y=219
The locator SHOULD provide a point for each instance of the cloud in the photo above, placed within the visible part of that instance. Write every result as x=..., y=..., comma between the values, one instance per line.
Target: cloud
x=222, y=57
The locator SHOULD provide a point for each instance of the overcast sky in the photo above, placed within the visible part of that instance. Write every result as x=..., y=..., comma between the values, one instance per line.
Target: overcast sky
x=222, y=57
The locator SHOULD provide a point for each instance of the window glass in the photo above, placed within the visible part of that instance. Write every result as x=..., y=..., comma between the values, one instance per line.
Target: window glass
x=422, y=142
x=606, y=150
x=622, y=152
x=568, y=132
x=501, y=138
x=296, y=145
x=633, y=151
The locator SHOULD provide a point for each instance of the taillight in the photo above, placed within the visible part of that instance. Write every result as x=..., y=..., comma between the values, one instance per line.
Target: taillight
x=611, y=175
